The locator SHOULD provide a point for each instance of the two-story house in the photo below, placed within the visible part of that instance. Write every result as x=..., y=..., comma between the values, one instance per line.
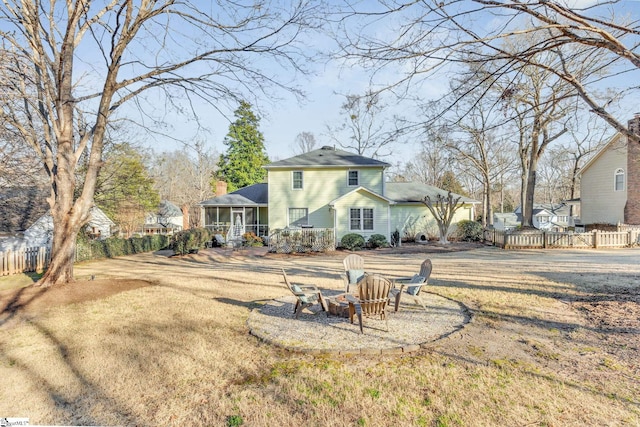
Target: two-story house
x=329, y=188
x=168, y=219
x=546, y=216
x=610, y=182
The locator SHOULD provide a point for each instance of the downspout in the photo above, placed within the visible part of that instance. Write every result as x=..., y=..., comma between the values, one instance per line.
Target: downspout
x=389, y=222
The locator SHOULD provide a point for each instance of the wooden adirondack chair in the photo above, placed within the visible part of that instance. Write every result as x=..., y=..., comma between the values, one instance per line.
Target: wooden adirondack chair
x=372, y=300
x=353, y=271
x=412, y=286
x=306, y=296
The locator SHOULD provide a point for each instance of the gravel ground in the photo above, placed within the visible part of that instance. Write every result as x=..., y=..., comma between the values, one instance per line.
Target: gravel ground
x=314, y=331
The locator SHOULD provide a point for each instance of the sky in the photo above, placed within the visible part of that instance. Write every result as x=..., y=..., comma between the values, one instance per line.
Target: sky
x=283, y=119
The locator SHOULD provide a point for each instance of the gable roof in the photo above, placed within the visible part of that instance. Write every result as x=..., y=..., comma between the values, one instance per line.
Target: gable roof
x=21, y=207
x=413, y=192
x=253, y=195
x=168, y=209
x=614, y=140
x=327, y=156
x=366, y=190
x=550, y=208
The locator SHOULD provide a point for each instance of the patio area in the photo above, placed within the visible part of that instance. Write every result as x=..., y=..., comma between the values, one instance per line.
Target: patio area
x=315, y=332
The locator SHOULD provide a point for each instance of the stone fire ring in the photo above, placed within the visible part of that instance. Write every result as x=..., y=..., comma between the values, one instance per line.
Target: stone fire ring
x=314, y=332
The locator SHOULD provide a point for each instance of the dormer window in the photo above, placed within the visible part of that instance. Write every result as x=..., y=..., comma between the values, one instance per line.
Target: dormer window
x=353, y=179
x=296, y=178
x=619, y=180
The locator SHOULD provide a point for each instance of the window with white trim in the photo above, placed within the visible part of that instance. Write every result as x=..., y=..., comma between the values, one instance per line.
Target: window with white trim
x=619, y=180
x=353, y=178
x=298, y=217
x=360, y=219
x=297, y=180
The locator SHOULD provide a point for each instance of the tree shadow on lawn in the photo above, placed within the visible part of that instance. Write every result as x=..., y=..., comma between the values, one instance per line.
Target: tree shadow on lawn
x=537, y=322
x=76, y=412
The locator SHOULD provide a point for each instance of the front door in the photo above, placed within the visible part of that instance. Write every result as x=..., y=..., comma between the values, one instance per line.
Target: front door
x=237, y=221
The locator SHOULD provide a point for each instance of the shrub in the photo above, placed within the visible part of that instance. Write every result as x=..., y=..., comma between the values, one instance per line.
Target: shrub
x=250, y=239
x=352, y=242
x=377, y=241
x=470, y=231
x=186, y=240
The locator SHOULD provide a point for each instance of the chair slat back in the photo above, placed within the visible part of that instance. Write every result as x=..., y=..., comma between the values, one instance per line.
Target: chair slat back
x=374, y=295
x=288, y=284
x=425, y=271
x=353, y=262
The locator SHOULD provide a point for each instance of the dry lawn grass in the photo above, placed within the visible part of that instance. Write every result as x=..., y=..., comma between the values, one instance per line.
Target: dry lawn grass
x=554, y=342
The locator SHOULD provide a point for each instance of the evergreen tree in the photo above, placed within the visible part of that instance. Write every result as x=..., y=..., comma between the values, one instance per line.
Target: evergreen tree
x=241, y=164
x=124, y=188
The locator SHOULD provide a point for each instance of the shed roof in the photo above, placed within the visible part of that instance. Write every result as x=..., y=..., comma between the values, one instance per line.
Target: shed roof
x=253, y=195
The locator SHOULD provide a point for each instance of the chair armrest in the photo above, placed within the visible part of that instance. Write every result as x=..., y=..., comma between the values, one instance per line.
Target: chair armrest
x=352, y=299
x=309, y=288
x=402, y=279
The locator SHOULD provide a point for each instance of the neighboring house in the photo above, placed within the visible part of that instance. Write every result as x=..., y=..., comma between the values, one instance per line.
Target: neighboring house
x=610, y=182
x=330, y=188
x=506, y=221
x=40, y=233
x=552, y=217
x=167, y=220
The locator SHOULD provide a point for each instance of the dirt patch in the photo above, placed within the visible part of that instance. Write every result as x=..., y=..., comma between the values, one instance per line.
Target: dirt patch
x=34, y=300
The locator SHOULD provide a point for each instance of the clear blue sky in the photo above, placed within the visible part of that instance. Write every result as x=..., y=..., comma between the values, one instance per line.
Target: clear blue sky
x=283, y=119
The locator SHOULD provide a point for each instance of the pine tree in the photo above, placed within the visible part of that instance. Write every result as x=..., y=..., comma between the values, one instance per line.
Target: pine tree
x=241, y=164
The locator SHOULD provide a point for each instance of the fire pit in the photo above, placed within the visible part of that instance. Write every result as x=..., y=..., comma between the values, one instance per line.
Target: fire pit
x=338, y=305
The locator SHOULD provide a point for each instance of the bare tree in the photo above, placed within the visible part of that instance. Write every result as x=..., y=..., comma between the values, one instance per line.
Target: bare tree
x=561, y=168
x=433, y=160
x=304, y=142
x=432, y=35
x=443, y=210
x=76, y=63
x=365, y=128
x=184, y=177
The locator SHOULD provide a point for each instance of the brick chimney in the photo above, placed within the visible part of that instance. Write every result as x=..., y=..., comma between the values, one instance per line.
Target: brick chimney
x=221, y=188
x=632, y=208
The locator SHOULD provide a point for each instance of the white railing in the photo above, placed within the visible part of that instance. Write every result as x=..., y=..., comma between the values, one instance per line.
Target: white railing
x=301, y=240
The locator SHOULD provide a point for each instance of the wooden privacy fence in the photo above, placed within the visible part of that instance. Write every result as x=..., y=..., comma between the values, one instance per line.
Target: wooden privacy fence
x=24, y=261
x=554, y=240
x=302, y=240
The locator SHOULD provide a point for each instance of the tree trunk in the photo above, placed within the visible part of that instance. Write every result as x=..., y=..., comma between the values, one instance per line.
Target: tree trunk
x=63, y=250
x=527, y=213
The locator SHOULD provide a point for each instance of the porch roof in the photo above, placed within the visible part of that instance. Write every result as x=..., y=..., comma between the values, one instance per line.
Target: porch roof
x=253, y=195
x=411, y=192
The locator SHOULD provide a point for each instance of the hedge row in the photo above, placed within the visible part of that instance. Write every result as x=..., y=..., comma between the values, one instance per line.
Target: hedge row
x=114, y=246
x=189, y=240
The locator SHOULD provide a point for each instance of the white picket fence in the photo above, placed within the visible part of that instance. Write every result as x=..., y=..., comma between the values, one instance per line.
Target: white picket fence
x=555, y=240
x=24, y=260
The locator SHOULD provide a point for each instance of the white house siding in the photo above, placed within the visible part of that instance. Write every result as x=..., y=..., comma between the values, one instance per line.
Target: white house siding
x=599, y=202
x=320, y=186
x=411, y=219
x=362, y=199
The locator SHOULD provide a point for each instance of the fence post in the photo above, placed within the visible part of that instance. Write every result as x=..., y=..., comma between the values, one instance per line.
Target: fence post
x=544, y=239
x=595, y=239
